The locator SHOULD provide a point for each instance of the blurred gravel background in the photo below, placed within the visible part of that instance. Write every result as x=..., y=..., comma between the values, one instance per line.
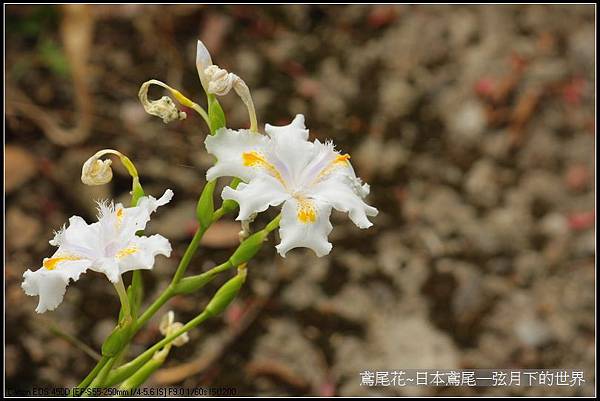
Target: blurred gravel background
x=474, y=126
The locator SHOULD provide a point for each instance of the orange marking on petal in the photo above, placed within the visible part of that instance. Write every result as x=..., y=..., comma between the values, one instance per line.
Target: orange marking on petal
x=252, y=159
x=342, y=158
x=338, y=161
x=52, y=263
x=306, y=211
x=255, y=159
x=120, y=214
x=126, y=252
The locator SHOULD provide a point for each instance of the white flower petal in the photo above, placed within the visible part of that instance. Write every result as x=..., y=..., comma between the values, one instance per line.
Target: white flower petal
x=141, y=252
x=296, y=233
x=109, y=266
x=229, y=146
x=295, y=129
x=339, y=193
x=78, y=238
x=290, y=149
x=133, y=219
x=256, y=196
x=325, y=162
x=51, y=284
x=361, y=188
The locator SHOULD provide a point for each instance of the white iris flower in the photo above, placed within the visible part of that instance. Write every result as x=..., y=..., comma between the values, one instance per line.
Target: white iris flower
x=109, y=246
x=308, y=178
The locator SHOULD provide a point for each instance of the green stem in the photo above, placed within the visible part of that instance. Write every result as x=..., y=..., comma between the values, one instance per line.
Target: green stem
x=126, y=370
x=273, y=224
x=91, y=376
x=152, y=309
x=189, y=253
x=174, y=290
x=135, y=293
x=192, y=284
x=124, y=299
x=220, y=212
x=183, y=264
x=138, y=378
x=101, y=377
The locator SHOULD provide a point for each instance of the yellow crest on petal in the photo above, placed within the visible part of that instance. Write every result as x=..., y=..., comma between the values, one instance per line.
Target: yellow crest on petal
x=52, y=263
x=126, y=252
x=255, y=159
x=306, y=211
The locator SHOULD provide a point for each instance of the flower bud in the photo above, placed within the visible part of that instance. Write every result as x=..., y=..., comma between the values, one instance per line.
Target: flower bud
x=96, y=172
x=206, y=207
x=226, y=294
x=164, y=107
x=193, y=283
x=166, y=321
x=203, y=61
x=229, y=205
x=116, y=340
x=248, y=248
x=168, y=326
x=220, y=81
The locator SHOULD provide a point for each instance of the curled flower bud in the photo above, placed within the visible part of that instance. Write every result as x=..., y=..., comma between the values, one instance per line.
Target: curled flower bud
x=168, y=326
x=217, y=81
x=220, y=82
x=164, y=107
x=98, y=172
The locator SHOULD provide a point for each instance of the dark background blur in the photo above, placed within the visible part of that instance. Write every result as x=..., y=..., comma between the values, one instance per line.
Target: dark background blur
x=474, y=126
